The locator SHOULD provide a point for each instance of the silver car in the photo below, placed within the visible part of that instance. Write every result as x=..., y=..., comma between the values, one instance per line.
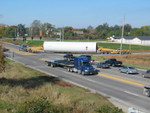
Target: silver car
x=128, y=70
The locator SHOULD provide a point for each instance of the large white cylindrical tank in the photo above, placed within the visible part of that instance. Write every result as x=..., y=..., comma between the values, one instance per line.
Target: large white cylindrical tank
x=70, y=46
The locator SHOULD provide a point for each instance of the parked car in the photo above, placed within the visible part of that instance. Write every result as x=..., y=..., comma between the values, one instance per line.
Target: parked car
x=102, y=65
x=146, y=74
x=128, y=70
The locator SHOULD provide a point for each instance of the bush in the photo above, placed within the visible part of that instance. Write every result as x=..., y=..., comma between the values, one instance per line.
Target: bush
x=41, y=105
x=2, y=60
x=108, y=109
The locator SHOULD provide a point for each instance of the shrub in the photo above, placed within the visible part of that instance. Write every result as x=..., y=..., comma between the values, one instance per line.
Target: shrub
x=41, y=105
x=2, y=60
x=108, y=109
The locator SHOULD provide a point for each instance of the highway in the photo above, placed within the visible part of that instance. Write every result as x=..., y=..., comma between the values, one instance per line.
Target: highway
x=120, y=87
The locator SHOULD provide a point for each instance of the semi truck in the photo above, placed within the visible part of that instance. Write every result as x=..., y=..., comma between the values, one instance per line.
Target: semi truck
x=80, y=65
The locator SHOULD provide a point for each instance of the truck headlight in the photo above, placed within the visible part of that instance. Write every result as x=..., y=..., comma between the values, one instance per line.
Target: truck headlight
x=86, y=70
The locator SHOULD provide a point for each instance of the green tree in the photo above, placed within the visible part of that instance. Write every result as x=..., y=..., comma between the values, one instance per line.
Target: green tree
x=68, y=33
x=20, y=30
x=127, y=29
x=47, y=29
x=10, y=31
x=35, y=27
x=102, y=31
x=2, y=31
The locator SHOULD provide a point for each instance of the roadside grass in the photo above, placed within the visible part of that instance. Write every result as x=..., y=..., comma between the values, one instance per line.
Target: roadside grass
x=139, y=61
x=124, y=46
x=19, y=84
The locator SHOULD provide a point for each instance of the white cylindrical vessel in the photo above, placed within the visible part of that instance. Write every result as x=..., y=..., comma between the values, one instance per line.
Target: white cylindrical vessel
x=70, y=46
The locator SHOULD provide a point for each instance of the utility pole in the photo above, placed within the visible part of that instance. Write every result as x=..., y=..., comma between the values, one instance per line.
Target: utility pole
x=62, y=34
x=122, y=36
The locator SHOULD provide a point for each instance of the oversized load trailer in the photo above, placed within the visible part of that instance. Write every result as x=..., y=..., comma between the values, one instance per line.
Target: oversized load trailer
x=80, y=47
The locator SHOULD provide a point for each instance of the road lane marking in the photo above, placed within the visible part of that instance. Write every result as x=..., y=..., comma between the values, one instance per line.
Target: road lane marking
x=44, y=59
x=123, y=80
x=131, y=93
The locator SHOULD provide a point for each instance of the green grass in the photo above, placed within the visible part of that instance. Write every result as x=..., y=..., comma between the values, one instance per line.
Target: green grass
x=124, y=46
x=32, y=42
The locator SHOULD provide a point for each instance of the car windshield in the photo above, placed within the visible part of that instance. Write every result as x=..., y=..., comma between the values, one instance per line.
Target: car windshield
x=148, y=71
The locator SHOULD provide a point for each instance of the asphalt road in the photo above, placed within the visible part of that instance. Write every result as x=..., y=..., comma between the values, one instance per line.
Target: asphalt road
x=116, y=86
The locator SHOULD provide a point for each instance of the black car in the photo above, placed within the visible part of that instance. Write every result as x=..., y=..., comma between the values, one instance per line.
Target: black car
x=102, y=65
x=113, y=62
x=69, y=57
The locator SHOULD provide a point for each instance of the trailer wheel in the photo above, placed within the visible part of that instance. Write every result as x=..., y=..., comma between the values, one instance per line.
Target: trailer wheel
x=47, y=64
x=68, y=69
x=30, y=51
x=52, y=65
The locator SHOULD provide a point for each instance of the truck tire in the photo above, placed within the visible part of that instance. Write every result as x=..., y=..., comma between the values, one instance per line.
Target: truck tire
x=68, y=69
x=79, y=71
x=113, y=65
x=83, y=73
x=127, y=72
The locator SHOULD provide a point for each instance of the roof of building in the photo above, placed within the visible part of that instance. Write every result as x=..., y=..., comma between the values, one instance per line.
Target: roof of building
x=132, y=37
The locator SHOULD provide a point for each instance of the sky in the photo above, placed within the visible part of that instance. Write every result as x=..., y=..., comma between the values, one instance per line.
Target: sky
x=75, y=13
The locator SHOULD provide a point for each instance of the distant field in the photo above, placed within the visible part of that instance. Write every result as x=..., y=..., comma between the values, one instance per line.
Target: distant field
x=124, y=46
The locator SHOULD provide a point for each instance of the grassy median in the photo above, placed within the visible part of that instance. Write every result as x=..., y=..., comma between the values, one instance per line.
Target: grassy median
x=22, y=88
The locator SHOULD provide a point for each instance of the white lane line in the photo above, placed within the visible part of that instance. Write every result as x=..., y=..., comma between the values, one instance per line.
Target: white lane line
x=131, y=93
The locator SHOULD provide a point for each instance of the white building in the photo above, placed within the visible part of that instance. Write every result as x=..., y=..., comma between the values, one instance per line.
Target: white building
x=142, y=40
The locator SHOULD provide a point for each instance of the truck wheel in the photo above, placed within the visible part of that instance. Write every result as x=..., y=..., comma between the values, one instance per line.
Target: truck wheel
x=79, y=71
x=113, y=65
x=83, y=73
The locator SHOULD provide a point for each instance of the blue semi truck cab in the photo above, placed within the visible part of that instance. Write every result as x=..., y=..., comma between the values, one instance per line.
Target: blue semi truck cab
x=83, y=66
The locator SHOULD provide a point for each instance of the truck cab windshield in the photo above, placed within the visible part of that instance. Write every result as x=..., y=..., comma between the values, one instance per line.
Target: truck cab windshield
x=86, y=63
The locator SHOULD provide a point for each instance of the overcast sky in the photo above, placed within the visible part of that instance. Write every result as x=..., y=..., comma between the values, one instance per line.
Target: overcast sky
x=75, y=13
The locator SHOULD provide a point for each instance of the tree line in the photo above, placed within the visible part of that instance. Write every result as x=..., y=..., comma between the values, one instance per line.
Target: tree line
x=48, y=30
